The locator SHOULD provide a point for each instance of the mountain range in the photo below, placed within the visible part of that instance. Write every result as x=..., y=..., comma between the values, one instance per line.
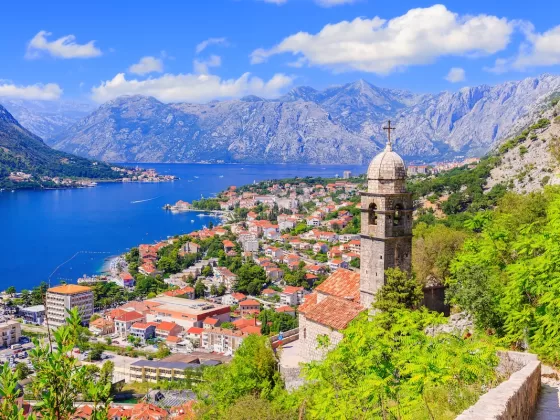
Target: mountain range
x=23, y=151
x=341, y=124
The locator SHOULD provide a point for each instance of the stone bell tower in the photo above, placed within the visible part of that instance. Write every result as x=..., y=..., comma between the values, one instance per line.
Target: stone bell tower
x=386, y=220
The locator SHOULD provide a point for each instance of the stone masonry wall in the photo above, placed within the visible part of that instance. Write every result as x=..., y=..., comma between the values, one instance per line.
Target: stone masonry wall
x=514, y=399
x=308, y=333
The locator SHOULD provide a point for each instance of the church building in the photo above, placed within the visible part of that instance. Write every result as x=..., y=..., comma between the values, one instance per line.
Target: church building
x=386, y=242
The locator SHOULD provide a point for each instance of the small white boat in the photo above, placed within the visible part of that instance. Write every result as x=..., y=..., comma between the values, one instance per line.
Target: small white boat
x=192, y=221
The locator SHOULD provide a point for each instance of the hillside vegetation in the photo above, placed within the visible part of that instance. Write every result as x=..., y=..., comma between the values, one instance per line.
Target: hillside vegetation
x=22, y=151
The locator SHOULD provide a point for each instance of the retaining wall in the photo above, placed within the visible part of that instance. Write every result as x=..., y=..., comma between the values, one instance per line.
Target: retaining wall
x=515, y=398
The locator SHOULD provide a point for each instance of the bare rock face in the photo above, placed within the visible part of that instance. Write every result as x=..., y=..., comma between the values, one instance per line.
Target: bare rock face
x=337, y=125
x=47, y=119
x=532, y=161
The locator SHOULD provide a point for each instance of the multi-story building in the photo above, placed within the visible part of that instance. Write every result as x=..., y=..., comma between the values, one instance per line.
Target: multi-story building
x=32, y=314
x=10, y=332
x=61, y=299
x=124, y=322
x=185, y=312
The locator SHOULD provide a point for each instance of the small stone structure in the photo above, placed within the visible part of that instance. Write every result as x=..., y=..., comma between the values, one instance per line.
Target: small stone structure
x=514, y=399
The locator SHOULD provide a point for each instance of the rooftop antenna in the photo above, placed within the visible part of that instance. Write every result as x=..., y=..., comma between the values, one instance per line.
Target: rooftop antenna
x=389, y=146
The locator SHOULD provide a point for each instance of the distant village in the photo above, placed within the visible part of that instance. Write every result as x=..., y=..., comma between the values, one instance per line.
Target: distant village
x=129, y=175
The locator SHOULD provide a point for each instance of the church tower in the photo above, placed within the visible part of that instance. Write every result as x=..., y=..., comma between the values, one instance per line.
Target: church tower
x=386, y=220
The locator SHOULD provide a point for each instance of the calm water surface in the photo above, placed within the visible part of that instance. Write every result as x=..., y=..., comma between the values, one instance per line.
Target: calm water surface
x=64, y=234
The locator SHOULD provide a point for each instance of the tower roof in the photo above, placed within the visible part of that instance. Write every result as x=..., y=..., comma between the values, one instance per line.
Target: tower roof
x=387, y=165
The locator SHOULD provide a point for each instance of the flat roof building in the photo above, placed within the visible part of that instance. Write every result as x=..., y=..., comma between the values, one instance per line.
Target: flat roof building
x=185, y=312
x=63, y=298
x=10, y=333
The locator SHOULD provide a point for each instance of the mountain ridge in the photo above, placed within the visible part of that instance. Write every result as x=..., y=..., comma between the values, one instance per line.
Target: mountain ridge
x=338, y=124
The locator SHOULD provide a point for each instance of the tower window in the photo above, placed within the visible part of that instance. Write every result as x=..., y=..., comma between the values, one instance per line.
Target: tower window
x=398, y=216
x=372, y=214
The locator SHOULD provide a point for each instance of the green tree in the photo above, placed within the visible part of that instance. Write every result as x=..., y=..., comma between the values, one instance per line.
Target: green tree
x=400, y=291
x=22, y=371
x=253, y=371
x=11, y=290
x=59, y=378
x=162, y=351
x=199, y=289
x=10, y=391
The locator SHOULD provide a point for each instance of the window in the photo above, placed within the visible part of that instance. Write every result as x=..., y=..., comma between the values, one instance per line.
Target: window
x=304, y=333
x=372, y=214
x=398, y=216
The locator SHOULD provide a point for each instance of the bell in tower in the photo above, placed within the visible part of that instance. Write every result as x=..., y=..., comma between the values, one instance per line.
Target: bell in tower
x=386, y=221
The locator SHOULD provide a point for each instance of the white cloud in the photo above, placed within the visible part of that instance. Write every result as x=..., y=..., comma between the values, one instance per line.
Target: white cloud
x=191, y=87
x=382, y=46
x=63, y=47
x=211, y=41
x=40, y=92
x=455, y=75
x=540, y=49
x=202, y=66
x=147, y=65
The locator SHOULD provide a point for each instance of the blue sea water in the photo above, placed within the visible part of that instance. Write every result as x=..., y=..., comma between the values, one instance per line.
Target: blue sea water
x=63, y=234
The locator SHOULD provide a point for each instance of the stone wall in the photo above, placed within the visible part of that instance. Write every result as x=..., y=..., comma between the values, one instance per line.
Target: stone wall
x=309, y=331
x=514, y=399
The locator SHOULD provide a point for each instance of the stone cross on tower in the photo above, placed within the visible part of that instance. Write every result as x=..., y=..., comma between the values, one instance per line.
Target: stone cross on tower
x=386, y=232
x=389, y=128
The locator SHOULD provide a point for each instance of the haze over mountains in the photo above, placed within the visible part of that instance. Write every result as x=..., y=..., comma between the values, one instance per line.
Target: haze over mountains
x=340, y=124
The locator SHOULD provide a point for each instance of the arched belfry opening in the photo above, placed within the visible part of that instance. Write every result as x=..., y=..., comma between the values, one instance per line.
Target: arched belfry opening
x=397, y=217
x=372, y=214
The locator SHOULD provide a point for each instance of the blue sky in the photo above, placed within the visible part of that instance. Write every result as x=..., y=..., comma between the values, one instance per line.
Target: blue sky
x=265, y=47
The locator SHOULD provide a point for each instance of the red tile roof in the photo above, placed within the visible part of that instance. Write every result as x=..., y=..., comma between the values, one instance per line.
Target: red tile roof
x=115, y=313
x=342, y=283
x=244, y=322
x=166, y=326
x=308, y=302
x=129, y=316
x=195, y=330
x=173, y=338
x=251, y=330
x=285, y=308
x=290, y=290
x=140, y=325
x=238, y=296
x=249, y=303
x=211, y=321
x=334, y=312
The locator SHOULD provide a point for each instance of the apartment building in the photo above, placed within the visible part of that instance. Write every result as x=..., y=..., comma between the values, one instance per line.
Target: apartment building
x=63, y=298
x=10, y=332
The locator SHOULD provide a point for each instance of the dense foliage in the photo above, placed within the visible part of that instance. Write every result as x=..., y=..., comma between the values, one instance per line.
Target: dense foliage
x=508, y=276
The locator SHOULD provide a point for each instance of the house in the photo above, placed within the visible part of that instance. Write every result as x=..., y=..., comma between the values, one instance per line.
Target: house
x=274, y=273
x=233, y=299
x=334, y=253
x=167, y=328
x=327, y=311
x=187, y=292
x=142, y=330
x=228, y=245
x=328, y=237
x=125, y=321
x=311, y=279
x=252, y=216
x=32, y=314
x=286, y=310
x=320, y=248
x=316, y=269
x=125, y=279
x=148, y=269
x=313, y=221
x=269, y=293
x=355, y=246
x=190, y=248
x=274, y=253
x=336, y=264
x=223, y=275
x=102, y=326
x=210, y=323
x=194, y=334
x=350, y=256
x=249, y=306
x=291, y=295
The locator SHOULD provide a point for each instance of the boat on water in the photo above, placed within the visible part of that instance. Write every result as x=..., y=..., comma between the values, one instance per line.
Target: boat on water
x=192, y=221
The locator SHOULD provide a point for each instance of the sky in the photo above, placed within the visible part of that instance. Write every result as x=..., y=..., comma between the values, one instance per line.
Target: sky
x=203, y=50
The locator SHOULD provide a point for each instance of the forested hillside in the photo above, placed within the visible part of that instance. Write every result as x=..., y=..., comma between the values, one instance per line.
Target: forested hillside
x=22, y=151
